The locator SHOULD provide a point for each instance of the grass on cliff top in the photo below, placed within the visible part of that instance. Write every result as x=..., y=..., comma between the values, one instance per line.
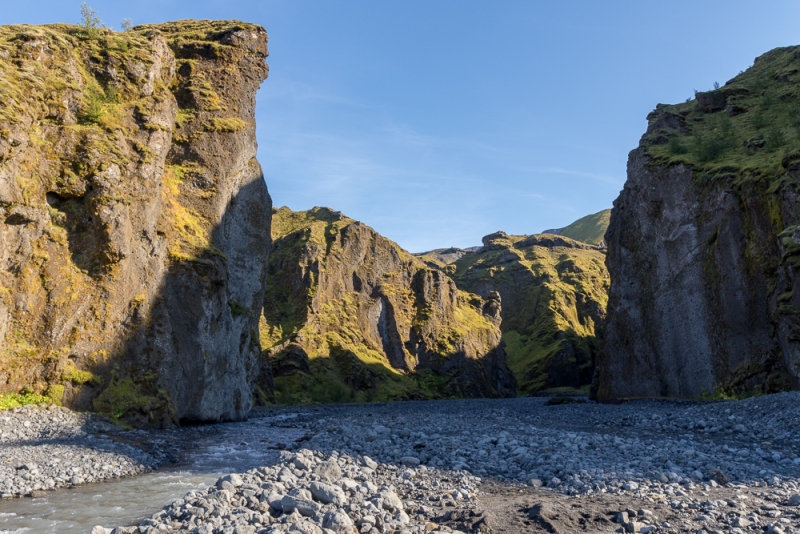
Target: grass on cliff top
x=286, y=221
x=590, y=229
x=190, y=33
x=751, y=135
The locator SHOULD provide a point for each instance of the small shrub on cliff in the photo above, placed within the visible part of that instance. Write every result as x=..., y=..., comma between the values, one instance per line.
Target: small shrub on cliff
x=100, y=107
x=774, y=139
x=676, y=146
x=710, y=144
x=90, y=23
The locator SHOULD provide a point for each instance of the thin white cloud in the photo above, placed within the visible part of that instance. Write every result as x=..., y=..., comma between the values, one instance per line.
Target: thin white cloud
x=593, y=176
x=301, y=91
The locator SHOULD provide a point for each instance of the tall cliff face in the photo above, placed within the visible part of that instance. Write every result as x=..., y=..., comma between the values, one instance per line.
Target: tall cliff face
x=349, y=315
x=703, y=244
x=134, y=219
x=553, y=291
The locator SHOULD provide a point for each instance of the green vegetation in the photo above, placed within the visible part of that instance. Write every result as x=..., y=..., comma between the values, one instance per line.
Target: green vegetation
x=750, y=127
x=228, y=125
x=553, y=302
x=76, y=376
x=53, y=395
x=345, y=378
x=317, y=335
x=14, y=400
x=590, y=229
x=124, y=398
x=90, y=23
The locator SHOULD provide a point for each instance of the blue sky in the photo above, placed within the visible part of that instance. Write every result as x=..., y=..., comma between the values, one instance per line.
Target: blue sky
x=438, y=122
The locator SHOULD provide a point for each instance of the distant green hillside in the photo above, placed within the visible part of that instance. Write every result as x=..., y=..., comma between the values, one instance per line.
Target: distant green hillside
x=590, y=229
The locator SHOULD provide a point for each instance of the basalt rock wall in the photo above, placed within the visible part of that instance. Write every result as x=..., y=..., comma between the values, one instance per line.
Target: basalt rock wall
x=704, y=242
x=134, y=218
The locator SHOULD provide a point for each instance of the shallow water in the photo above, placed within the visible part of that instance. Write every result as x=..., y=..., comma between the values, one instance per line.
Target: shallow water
x=208, y=453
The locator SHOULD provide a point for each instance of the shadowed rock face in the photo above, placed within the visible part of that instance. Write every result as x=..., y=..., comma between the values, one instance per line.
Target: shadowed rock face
x=134, y=219
x=703, y=245
x=690, y=312
x=349, y=315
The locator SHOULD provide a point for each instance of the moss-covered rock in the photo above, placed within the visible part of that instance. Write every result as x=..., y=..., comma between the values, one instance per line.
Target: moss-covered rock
x=132, y=212
x=702, y=248
x=554, y=293
x=349, y=315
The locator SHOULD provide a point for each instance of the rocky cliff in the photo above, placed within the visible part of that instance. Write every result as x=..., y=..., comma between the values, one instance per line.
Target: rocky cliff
x=704, y=244
x=553, y=291
x=134, y=218
x=349, y=315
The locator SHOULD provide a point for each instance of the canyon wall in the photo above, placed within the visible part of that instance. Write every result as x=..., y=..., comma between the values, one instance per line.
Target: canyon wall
x=349, y=315
x=704, y=245
x=134, y=218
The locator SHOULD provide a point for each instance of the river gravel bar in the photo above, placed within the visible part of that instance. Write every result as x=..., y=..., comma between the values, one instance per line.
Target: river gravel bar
x=48, y=447
x=515, y=465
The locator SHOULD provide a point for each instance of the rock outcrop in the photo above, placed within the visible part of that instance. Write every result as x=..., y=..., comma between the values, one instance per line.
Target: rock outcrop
x=440, y=257
x=349, y=315
x=134, y=218
x=554, y=292
x=704, y=245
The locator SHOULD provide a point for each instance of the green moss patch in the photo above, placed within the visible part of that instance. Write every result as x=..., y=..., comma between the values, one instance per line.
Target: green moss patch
x=77, y=376
x=125, y=399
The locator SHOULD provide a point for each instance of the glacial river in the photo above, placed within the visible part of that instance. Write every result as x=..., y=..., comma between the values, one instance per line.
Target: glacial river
x=209, y=452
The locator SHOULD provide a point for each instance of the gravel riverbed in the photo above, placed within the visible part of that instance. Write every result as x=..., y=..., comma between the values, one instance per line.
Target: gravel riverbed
x=512, y=465
x=44, y=448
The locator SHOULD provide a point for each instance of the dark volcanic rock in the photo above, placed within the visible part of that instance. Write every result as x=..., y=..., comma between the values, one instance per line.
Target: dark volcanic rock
x=703, y=248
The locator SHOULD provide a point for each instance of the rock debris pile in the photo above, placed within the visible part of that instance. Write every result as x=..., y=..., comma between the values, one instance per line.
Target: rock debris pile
x=321, y=493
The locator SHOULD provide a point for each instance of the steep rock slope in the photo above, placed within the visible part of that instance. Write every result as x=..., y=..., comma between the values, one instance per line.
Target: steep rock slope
x=704, y=244
x=590, y=229
x=349, y=315
x=553, y=291
x=134, y=219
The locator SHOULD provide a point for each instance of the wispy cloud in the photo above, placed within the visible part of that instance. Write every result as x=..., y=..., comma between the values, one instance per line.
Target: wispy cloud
x=593, y=176
x=282, y=89
x=418, y=188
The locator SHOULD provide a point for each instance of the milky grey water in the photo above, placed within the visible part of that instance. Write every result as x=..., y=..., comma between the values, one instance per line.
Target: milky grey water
x=208, y=453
